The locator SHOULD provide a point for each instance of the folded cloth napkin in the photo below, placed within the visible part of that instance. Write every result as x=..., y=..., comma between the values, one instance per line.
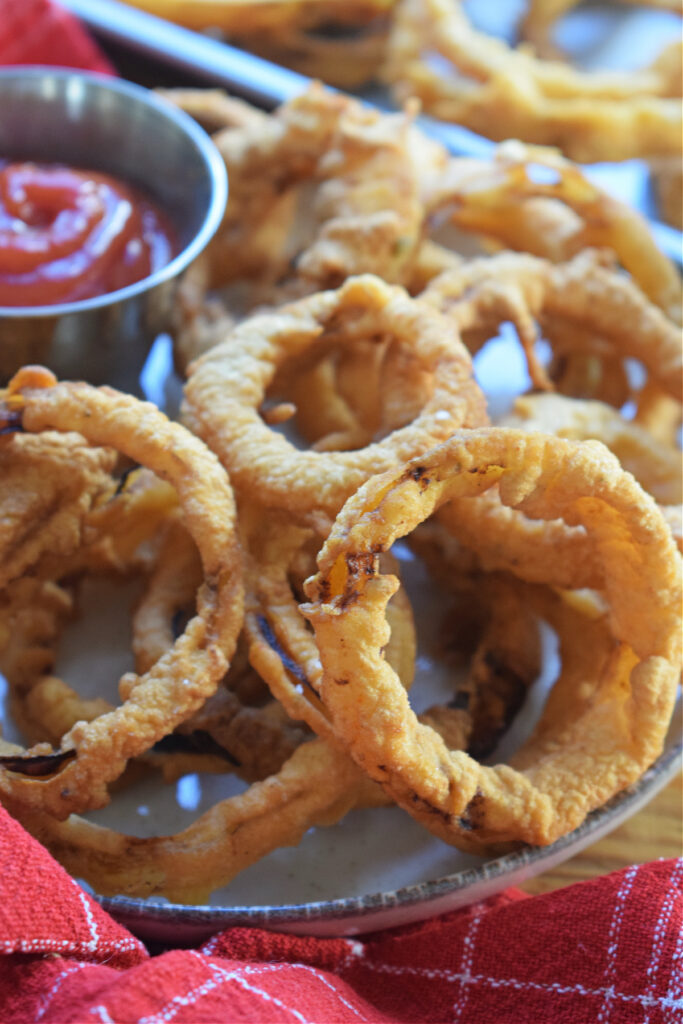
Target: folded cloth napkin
x=41, y=32
x=608, y=950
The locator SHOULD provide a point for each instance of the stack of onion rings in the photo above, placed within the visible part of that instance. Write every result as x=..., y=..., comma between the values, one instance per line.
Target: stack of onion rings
x=503, y=92
x=372, y=374
x=376, y=192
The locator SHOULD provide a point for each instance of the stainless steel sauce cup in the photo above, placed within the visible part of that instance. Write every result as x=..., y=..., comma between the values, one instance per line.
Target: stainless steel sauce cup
x=100, y=123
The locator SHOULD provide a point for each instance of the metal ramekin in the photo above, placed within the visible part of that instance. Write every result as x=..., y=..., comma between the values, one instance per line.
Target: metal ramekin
x=101, y=123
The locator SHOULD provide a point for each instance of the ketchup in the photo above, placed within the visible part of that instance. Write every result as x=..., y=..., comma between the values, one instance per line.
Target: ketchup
x=69, y=234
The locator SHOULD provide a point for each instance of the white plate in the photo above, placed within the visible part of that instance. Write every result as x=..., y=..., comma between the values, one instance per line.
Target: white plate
x=376, y=868
x=469, y=879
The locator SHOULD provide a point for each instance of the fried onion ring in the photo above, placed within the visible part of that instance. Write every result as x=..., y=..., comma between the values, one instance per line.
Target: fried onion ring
x=50, y=483
x=226, y=734
x=365, y=171
x=95, y=753
x=524, y=289
x=280, y=645
x=502, y=92
x=321, y=189
x=316, y=786
x=541, y=16
x=656, y=467
x=253, y=734
x=227, y=386
x=616, y=734
x=532, y=199
x=503, y=641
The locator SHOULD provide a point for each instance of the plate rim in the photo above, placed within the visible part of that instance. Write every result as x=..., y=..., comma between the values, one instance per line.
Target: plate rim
x=613, y=812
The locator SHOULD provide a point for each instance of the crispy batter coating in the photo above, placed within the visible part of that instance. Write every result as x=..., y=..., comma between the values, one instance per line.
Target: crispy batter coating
x=50, y=483
x=504, y=538
x=532, y=199
x=169, y=593
x=318, y=783
x=493, y=625
x=228, y=385
x=253, y=734
x=614, y=735
x=313, y=788
x=281, y=647
x=95, y=753
x=364, y=168
x=502, y=92
x=321, y=189
x=503, y=640
x=226, y=734
x=258, y=740
x=582, y=293
x=656, y=467
x=33, y=613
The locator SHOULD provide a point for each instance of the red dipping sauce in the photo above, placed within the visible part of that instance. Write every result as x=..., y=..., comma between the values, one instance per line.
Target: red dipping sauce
x=67, y=235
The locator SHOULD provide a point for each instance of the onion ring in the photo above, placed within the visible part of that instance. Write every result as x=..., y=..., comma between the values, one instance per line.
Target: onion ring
x=524, y=289
x=224, y=735
x=501, y=92
x=94, y=754
x=50, y=485
x=369, y=187
x=320, y=190
x=256, y=740
x=541, y=16
x=532, y=199
x=506, y=657
x=280, y=646
x=656, y=467
x=613, y=740
x=32, y=614
x=314, y=787
x=228, y=384
x=364, y=168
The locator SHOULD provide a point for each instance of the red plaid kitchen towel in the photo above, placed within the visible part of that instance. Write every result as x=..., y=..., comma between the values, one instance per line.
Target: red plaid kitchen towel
x=40, y=32
x=609, y=950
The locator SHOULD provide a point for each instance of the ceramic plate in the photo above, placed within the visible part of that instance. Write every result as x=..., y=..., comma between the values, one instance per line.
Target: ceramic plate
x=469, y=880
x=377, y=868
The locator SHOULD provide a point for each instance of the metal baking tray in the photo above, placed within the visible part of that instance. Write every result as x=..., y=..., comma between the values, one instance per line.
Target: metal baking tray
x=200, y=58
